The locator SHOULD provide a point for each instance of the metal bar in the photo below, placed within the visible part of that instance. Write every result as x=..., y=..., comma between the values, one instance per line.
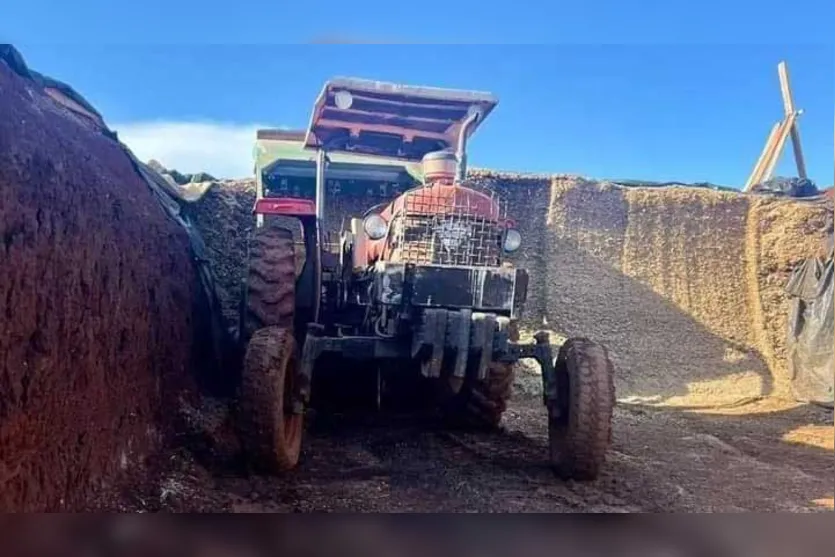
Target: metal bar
x=355, y=128
x=463, y=343
x=321, y=160
x=461, y=151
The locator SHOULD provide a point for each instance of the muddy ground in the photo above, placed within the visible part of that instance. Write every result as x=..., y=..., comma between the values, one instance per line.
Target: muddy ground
x=763, y=456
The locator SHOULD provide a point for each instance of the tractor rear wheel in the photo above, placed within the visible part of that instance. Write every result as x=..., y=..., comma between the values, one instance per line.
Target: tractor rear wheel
x=270, y=432
x=269, y=292
x=581, y=433
x=485, y=401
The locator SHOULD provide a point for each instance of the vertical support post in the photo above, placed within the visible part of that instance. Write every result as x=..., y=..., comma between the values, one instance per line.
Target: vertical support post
x=788, y=105
x=321, y=161
x=259, y=194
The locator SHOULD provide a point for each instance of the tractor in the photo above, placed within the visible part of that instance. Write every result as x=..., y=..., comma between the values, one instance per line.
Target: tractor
x=417, y=291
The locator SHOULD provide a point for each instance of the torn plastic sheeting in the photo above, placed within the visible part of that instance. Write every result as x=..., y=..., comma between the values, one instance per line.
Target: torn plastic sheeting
x=811, y=354
x=170, y=198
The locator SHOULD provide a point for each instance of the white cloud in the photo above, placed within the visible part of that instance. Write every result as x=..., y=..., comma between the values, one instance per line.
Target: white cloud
x=223, y=150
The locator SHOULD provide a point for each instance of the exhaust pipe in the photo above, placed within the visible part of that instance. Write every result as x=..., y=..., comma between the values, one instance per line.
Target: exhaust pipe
x=461, y=152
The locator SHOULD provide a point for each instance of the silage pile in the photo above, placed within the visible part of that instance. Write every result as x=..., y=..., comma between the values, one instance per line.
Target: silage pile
x=684, y=285
x=98, y=310
x=223, y=217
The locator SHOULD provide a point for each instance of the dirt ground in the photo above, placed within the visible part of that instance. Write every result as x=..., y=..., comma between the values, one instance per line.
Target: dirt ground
x=764, y=456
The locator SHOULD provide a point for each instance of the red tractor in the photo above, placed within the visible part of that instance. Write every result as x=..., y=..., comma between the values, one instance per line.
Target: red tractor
x=417, y=292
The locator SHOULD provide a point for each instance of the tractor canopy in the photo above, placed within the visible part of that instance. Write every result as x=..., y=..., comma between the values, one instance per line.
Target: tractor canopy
x=390, y=120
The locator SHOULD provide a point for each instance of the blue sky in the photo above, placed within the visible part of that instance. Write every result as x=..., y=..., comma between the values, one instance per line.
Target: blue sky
x=673, y=111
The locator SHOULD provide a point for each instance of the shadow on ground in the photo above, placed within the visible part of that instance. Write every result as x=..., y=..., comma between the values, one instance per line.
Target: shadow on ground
x=662, y=354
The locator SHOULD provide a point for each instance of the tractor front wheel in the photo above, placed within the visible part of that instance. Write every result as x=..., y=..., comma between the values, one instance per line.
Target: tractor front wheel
x=580, y=433
x=269, y=430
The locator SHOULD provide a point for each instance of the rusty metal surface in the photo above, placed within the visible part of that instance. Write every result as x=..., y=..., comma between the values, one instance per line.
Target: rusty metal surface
x=444, y=224
x=460, y=287
x=392, y=120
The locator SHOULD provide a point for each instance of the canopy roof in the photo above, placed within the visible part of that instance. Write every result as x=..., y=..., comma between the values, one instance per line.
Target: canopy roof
x=390, y=120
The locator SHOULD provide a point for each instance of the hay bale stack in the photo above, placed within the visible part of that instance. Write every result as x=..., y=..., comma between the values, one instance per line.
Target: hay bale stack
x=97, y=293
x=666, y=278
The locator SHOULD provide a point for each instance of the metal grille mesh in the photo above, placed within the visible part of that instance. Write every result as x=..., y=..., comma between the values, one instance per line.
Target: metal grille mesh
x=432, y=228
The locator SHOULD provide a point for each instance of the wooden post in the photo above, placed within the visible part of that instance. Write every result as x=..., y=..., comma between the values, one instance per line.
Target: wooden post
x=785, y=130
x=788, y=105
x=754, y=178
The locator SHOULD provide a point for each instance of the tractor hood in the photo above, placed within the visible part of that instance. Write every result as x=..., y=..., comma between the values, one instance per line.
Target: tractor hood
x=443, y=199
x=390, y=120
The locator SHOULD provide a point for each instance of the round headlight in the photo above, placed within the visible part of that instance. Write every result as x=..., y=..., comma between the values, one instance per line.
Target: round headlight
x=375, y=226
x=512, y=240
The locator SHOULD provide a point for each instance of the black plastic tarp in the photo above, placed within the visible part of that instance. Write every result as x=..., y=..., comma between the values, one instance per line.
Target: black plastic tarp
x=811, y=335
x=790, y=187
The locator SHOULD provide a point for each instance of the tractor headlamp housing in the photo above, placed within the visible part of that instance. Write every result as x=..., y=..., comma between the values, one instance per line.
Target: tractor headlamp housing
x=512, y=240
x=375, y=226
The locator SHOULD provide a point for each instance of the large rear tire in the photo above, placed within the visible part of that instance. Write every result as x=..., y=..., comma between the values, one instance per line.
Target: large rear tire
x=269, y=296
x=270, y=432
x=582, y=432
x=485, y=403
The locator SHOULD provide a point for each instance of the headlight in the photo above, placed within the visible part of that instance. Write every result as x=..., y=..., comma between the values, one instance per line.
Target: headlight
x=375, y=226
x=512, y=240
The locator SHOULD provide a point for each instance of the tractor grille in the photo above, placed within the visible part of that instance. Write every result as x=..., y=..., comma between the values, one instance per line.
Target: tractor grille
x=446, y=234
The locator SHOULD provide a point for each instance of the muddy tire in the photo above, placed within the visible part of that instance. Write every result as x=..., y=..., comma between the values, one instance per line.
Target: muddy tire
x=269, y=290
x=269, y=432
x=581, y=435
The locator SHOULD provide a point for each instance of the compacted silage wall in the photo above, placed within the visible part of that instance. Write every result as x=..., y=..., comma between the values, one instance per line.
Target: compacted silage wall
x=684, y=285
x=97, y=304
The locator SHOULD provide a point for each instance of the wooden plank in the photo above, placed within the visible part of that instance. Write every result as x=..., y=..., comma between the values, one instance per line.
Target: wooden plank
x=788, y=106
x=764, y=157
x=774, y=153
x=785, y=88
x=782, y=135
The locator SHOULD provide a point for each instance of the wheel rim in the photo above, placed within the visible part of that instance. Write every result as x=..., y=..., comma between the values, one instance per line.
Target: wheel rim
x=290, y=428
